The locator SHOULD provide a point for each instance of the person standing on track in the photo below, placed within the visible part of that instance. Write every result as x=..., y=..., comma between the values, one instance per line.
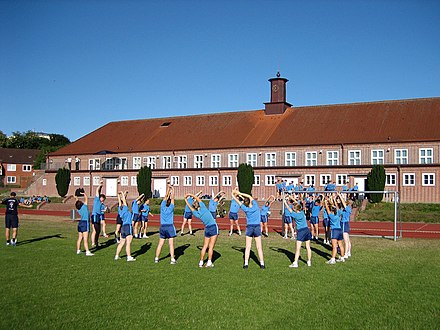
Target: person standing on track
x=11, y=218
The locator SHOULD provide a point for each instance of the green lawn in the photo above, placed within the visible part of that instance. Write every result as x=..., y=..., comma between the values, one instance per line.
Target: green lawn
x=44, y=284
x=409, y=212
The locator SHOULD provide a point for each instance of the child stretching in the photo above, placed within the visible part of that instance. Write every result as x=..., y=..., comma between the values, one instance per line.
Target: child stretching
x=136, y=217
x=199, y=209
x=96, y=214
x=265, y=211
x=119, y=222
x=233, y=216
x=83, y=225
x=145, y=212
x=214, y=202
x=126, y=228
x=253, y=229
x=303, y=233
x=314, y=219
x=167, y=229
x=326, y=224
x=345, y=223
x=288, y=217
x=336, y=231
x=187, y=215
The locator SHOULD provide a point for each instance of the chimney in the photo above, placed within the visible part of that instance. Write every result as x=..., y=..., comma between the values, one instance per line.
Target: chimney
x=277, y=104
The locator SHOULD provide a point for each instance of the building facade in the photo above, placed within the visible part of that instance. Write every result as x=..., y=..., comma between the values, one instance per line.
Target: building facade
x=17, y=166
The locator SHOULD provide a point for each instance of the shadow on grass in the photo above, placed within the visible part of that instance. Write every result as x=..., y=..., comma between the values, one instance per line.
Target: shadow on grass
x=178, y=252
x=215, y=255
x=251, y=256
x=105, y=245
x=287, y=253
x=33, y=240
x=279, y=232
x=321, y=253
x=193, y=232
x=144, y=248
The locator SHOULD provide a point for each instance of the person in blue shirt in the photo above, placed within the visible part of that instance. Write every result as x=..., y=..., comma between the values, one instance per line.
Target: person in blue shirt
x=326, y=225
x=287, y=218
x=187, y=216
x=119, y=223
x=145, y=213
x=200, y=211
x=336, y=231
x=136, y=215
x=233, y=217
x=214, y=202
x=83, y=225
x=303, y=232
x=345, y=224
x=265, y=212
x=314, y=218
x=253, y=229
x=167, y=229
x=126, y=228
x=103, y=224
x=96, y=215
x=279, y=188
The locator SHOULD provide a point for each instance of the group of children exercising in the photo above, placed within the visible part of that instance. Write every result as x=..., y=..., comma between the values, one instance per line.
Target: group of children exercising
x=299, y=209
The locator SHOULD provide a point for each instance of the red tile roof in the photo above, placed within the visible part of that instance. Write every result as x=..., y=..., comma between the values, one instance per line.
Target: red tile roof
x=18, y=156
x=371, y=122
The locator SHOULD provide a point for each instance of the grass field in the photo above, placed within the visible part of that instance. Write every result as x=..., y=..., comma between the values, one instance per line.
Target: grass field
x=44, y=284
x=409, y=212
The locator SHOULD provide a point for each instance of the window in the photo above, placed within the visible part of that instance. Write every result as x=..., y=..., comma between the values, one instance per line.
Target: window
x=213, y=181
x=187, y=181
x=150, y=161
x=124, y=180
x=166, y=162
x=136, y=163
x=409, y=179
x=390, y=179
x=182, y=162
x=133, y=181
x=227, y=180
x=251, y=159
x=27, y=168
x=332, y=158
x=426, y=156
x=86, y=181
x=198, y=161
x=233, y=160
x=401, y=156
x=324, y=179
x=310, y=179
x=341, y=179
x=11, y=179
x=271, y=159
x=122, y=164
x=200, y=180
x=76, y=181
x=256, y=180
x=44, y=183
x=270, y=180
x=174, y=180
x=311, y=158
x=215, y=161
x=354, y=157
x=12, y=168
x=428, y=179
x=94, y=164
x=109, y=164
x=290, y=159
x=377, y=157
x=96, y=180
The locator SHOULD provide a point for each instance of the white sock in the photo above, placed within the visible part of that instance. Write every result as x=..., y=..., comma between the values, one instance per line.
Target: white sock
x=262, y=262
x=209, y=263
x=246, y=262
x=201, y=263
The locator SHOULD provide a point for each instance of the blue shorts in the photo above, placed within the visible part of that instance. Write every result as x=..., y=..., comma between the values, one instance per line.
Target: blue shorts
x=11, y=221
x=287, y=219
x=167, y=231
x=314, y=220
x=337, y=234
x=96, y=218
x=118, y=220
x=253, y=230
x=326, y=222
x=211, y=230
x=233, y=216
x=188, y=215
x=303, y=235
x=214, y=214
x=263, y=219
x=102, y=216
x=144, y=218
x=83, y=227
x=126, y=230
x=345, y=227
x=136, y=217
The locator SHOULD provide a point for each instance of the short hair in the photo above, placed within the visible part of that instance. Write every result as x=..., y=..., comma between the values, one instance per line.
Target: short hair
x=168, y=202
x=13, y=194
x=246, y=201
x=102, y=196
x=78, y=205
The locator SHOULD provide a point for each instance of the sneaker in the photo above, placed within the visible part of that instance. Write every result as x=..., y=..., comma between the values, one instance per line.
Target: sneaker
x=181, y=233
x=14, y=242
x=262, y=266
x=117, y=258
x=105, y=235
x=209, y=265
x=7, y=243
x=145, y=236
x=156, y=260
x=239, y=233
x=191, y=233
x=173, y=261
x=89, y=254
x=130, y=258
x=201, y=263
x=245, y=266
x=230, y=233
x=77, y=251
x=348, y=254
x=294, y=265
x=331, y=262
x=341, y=259
x=93, y=245
x=293, y=237
x=309, y=263
x=285, y=237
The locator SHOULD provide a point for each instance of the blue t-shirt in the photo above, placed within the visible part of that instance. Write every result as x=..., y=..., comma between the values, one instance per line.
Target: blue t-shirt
x=344, y=188
x=96, y=205
x=264, y=209
x=253, y=214
x=125, y=215
x=212, y=206
x=204, y=215
x=102, y=208
x=310, y=189
x=145, y=210
x=166, y=213
x=300, y=219
x=190, y=201
x=234, y=206
x=84, y=213
x=356, y=188
x=135, y=207
x=286, y=211
x=325, y=214
x=297, y=188
x=335, y=221
x=346, y=214
x=316, y=209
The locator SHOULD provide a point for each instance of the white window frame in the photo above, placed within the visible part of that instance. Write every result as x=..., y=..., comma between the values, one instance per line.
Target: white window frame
x=290, y=158
x=341, y=179
x=233, y=160
x=198, y=161
x=270, y=159
x=96, y=180
x=310, y=179
x=27, y=168
x=328, y=178
x=424, y=175
x=257, y=180
x=424, y=159
x=182, y=161
x=174, y=180
x=377, y=160
x=401, y=159
x=216, y=160
x=86, y=181
x=133, y=181
x=77, y=181
x=213, y=180
x=11, y=167
x=137, y=163
x=121, y=163
x=332, y=157
x=389, y=178
x=311, y=158
x=187, y=180
x=44, y=183
x=227, y=180
x=200, y=180
x=354, y=157
x=252, y=159
x=94, y=164
x=270, y=180
x=124, y=180
x=167, y=162
x=150, y=161
x=10, y=179
x=406, y=177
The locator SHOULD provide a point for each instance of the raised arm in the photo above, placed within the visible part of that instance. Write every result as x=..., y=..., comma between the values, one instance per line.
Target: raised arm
x=187, y=196
x=123, y=199
x=326, y=206
x=271, y=199
x=172, y=195
x=344, y=204
x=119, y=198
x=140, y=197
x=98, y=189
x=235, y=197
x=286, y=205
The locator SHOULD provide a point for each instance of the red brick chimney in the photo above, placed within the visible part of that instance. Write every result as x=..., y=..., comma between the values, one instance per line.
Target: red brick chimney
x=277, y=104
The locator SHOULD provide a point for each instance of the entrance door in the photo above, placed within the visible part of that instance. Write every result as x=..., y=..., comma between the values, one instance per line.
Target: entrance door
x=160, y=185
x=111, y=187
x=361, y=184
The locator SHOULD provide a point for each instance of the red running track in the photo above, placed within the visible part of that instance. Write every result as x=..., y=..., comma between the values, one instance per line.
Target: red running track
x=364, y=228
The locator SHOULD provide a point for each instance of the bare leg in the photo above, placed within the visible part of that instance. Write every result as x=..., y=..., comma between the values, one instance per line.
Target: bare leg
x=104, y=233
x=231, y=229
x=238, y=226
x=259, y=249
x=247, y=250
x=120, y=246
x=309, y=251
x=14, y=233
x=171, y=243
x=128, y=245
x=347, y=243
x=86, y=241
x=189, y=226
x=183, y=225
x=7, y=234
x=316, y=230
x=341, y=248
x=78, y=241
x=159, y=247
x=203, y=251
x=298, y=250
x=212, y=241
x=334, y=247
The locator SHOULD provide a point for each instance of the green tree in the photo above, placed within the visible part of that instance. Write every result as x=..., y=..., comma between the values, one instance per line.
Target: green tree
x=144, y=181
x=41, y=157
x=62, y=180
x=245, y=178
x=3, y=140
x=376, y=182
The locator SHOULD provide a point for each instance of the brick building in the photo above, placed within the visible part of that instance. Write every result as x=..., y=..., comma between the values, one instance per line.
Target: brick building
x=313, y=144
x=17, y=166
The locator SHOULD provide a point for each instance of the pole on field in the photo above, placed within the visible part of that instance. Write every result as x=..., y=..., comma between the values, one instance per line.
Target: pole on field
x=395, y=216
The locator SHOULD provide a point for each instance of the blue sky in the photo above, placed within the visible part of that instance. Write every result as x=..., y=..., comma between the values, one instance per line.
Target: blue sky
x=70, y=67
